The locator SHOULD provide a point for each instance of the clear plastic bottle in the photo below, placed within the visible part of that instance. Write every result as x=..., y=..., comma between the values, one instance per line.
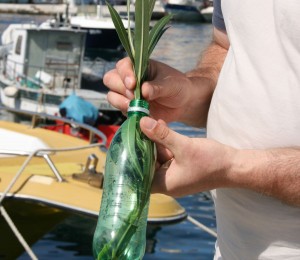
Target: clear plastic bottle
x=130, y=163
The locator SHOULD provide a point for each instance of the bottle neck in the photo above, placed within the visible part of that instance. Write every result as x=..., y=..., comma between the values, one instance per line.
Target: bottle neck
x=138, y=106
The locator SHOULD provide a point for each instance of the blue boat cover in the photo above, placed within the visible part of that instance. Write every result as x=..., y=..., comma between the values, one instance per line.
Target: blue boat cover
x=79, y=110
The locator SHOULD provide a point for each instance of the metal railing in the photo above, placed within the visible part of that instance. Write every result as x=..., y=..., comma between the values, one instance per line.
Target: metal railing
x=44, y=153
x=63, y=73
x=39, y=152
x=94, y=133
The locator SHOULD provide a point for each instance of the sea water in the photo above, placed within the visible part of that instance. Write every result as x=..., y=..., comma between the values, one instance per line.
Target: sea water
x=179, y=47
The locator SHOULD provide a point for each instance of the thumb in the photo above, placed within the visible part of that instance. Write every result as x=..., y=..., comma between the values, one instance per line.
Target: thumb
x=161, y=134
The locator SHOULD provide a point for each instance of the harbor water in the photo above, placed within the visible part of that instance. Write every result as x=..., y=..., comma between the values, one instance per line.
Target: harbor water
x=180, y=47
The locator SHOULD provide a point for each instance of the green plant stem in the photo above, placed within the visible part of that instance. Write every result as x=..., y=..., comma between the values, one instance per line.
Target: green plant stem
x=139, y=46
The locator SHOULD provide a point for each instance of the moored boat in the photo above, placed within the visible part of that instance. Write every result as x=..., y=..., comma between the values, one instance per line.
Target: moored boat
x=42, y=67
x=101, y=33
x=46, y=175
x=185, y=10
x=207, y=10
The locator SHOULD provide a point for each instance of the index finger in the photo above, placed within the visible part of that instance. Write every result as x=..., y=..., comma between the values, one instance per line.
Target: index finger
x=125, y=70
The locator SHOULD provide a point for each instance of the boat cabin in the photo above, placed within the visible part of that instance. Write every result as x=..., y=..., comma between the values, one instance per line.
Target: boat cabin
x=46, y=57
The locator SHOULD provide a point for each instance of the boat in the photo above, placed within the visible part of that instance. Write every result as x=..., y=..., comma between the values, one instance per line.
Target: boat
x=157, y=13
x=46, y=175
x=101, y=35
x=78, y=114
x=42, y=65
x=185, y=10
x=207, y=10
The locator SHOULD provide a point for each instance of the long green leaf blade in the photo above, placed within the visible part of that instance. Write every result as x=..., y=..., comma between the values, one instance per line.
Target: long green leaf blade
x=121, y=30
x=151, y=7
x=128, y=135
x=156, y=32
x=141, y=40
x=155, y=40
x=130, y=37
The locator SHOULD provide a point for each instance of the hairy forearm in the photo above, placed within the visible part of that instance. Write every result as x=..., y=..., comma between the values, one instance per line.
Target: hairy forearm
x=203, y=81
x=273, y=172
x=209, y=64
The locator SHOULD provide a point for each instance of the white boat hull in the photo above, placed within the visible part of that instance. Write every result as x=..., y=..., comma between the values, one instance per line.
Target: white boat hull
x=207, y=13
x=185, y=13
x=27, y=99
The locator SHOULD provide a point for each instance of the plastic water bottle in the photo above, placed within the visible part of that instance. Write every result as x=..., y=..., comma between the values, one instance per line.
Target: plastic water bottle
x=129, y=169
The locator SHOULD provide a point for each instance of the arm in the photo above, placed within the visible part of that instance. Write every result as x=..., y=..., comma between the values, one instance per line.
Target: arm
x=273, y=172
x=173, y=95
x=207, y=69
x=212, y=59
x=191, y=165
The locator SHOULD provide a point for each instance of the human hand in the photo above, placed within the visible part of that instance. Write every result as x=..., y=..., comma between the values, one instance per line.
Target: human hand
x=186, y=165
x=167, y=90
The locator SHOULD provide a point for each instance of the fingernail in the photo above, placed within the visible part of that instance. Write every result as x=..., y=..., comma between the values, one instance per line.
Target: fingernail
x=149, y=123
x=128, y=82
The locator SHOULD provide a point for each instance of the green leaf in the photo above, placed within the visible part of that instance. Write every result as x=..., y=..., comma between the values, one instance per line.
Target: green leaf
x=129, y=137
x=155, y=41
x=130, y=34
x=151, y=7
x=141, y=41
x=139, y=44
x=156, y=32
x=122, y=32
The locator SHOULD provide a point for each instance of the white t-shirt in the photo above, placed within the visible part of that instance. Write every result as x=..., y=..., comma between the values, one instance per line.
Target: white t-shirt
x=256, y=104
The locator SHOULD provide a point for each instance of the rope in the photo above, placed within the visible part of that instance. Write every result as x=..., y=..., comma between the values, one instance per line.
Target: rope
x=14, y=180
x=4, y=195
x=17, y=234
x=201, y=226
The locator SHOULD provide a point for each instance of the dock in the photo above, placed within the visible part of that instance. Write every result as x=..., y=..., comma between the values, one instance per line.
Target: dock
x=53, y=9
x=37, y=9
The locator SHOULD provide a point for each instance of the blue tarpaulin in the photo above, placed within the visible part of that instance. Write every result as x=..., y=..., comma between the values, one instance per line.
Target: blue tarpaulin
x=79, y=110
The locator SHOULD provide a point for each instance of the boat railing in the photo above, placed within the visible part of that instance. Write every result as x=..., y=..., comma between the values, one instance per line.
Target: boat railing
x=56, y=73
x=38, y=153
x=46, y=155
x=30, y=155
x=94, y=133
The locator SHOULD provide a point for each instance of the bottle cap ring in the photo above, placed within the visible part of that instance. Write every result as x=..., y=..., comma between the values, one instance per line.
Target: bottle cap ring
x=138, y=109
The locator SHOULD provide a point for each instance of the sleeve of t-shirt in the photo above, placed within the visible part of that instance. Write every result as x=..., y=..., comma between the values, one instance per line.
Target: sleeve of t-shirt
x=217, y=19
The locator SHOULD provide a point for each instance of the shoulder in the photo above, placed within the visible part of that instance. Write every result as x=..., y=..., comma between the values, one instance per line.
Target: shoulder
x=218, y=20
